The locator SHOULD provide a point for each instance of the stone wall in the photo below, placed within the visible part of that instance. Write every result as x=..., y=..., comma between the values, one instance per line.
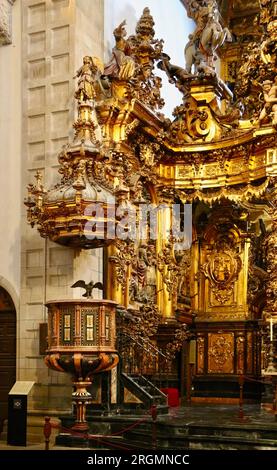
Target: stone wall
x=10, y=150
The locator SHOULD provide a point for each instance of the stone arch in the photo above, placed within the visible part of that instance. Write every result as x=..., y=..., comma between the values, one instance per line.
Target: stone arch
x=11, y=291
x=7, y=350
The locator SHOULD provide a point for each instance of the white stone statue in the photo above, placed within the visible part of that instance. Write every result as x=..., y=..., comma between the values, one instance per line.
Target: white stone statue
x=270, y=99
x=207, y=37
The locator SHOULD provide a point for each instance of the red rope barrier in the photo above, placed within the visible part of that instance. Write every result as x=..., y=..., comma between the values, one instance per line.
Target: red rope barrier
x=100, y=438
x=47, y=431
x=128, y=428
x=250, y=379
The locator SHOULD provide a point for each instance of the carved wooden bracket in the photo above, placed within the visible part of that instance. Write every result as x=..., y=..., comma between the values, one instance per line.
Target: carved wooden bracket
x=6, y=21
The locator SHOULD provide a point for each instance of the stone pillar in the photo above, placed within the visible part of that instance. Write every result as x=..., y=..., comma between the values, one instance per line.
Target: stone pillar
x=56, y=34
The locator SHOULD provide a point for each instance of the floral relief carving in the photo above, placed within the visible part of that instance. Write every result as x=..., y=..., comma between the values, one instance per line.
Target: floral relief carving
x=221, y=353
x=200, y=354
x=240, y=343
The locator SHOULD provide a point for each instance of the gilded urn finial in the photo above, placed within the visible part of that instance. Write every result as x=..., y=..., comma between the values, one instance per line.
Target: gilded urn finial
x=145, y=25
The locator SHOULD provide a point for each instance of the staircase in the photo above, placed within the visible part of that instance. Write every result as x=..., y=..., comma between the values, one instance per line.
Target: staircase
x=141, y=363
x=147, y=393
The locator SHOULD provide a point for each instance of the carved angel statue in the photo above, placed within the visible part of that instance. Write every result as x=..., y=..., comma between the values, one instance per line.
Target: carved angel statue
x=121, y=65
x=88, y=287
x=207, y=37
x=88, y=74
x=270, y=99
x=175, y=74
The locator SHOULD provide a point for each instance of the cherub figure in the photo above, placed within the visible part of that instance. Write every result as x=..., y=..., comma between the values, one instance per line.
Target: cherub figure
x=270, y=98
x=88, y=76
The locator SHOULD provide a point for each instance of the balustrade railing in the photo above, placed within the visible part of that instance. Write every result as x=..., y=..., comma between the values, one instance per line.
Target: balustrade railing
x=140, y=356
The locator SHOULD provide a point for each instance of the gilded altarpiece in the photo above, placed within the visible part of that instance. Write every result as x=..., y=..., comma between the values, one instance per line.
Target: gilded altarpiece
x=228, y=343
x=222, y=272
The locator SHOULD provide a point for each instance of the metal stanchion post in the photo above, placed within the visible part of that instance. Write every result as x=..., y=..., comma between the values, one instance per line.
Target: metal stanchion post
x=47, y=431
x=241, y=382
x=191, y=366
x=154, y=414
x=274, y=404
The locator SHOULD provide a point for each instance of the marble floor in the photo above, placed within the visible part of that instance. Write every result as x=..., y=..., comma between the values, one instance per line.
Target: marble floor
x=215, y=419
x=221, y=415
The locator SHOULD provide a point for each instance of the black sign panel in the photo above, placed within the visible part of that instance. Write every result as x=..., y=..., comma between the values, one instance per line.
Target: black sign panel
x=17, y=420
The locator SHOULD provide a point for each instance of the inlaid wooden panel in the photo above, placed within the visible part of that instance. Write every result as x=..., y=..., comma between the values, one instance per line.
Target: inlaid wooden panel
x=220, y=353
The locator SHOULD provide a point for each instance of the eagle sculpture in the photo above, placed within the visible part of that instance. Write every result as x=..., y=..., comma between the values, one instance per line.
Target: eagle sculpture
x=88, y=287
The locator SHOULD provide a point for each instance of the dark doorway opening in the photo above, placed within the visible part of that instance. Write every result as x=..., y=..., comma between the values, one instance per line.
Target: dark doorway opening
x=7, y=351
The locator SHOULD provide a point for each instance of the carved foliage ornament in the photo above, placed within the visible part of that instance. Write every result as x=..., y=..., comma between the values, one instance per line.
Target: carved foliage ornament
x=141, y=323
x=221, y=353
x=122, y=259
x=130, y=69
x=6, y=21
x=200, y=354
x=256, y=80
x=271, y=256
x=181, y=334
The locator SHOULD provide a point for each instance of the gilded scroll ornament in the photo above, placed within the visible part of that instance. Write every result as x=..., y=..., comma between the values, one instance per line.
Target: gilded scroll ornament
x=121, y=260
x=139, y=323
x=256, y=86
x=181, y=335
x=240, y=347
x=271, y=256
x=170, y=268
x=200, y=354
x=200, y=118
